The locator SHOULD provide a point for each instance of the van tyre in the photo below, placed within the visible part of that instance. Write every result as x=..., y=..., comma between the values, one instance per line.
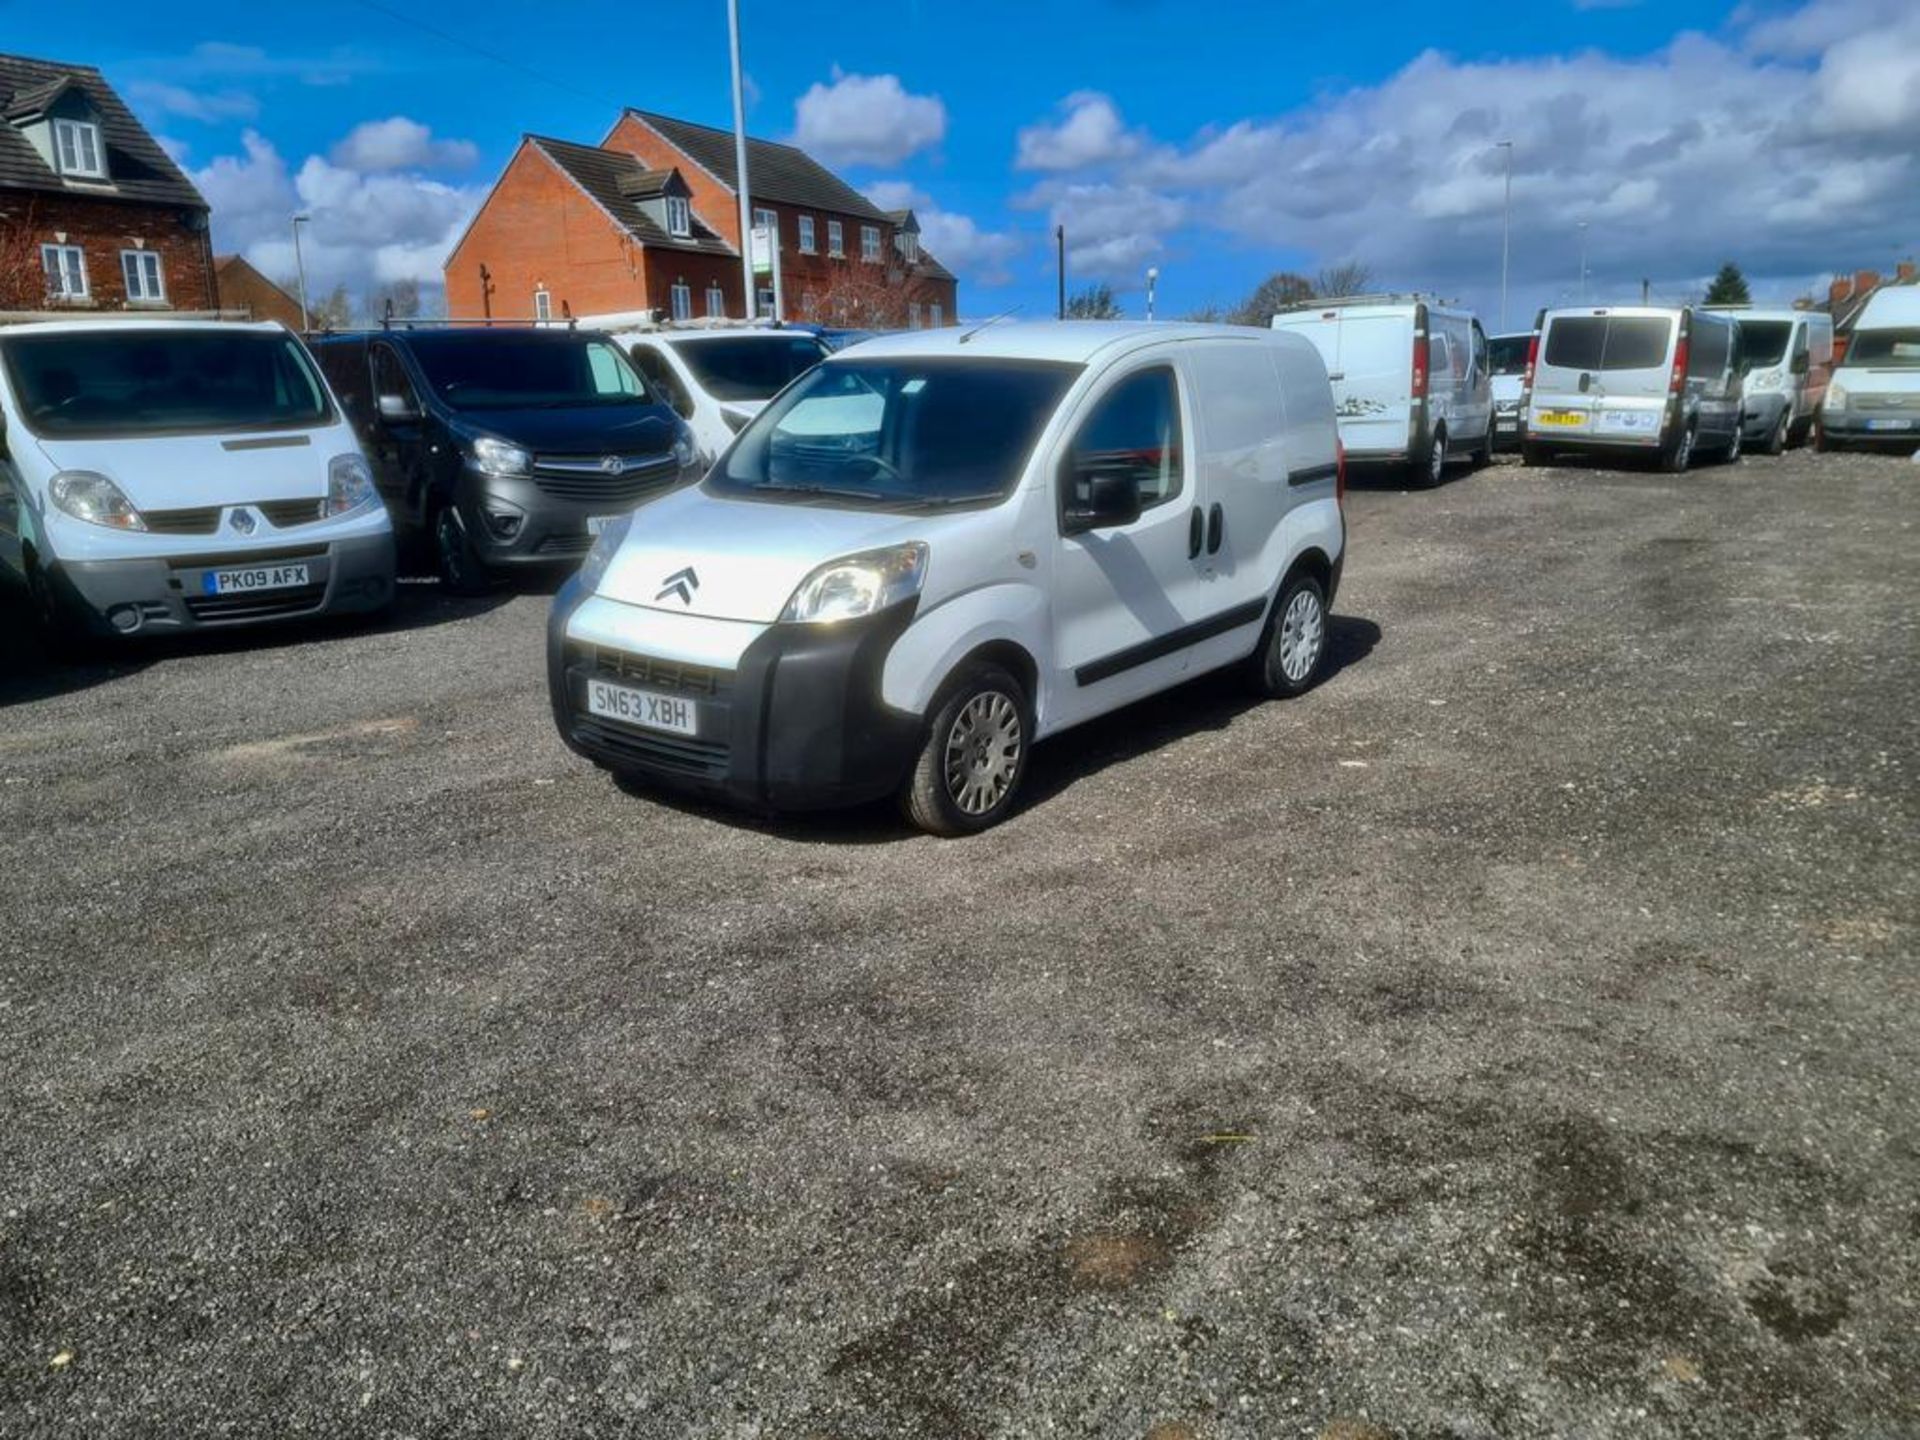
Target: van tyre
x=1821, y=444
x=1531, y=455
x=1678, y=454
x=1293, y=647
x=1732, y=452
x=461, y=570
x=974, y=755
x=1431, y=471
x=1781, y=435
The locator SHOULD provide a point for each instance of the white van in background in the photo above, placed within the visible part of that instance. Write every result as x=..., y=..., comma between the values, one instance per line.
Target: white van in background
x=1509, y=356
x=940, y=546
x=166, y=475
x=1412, y=381
x=1625, y=379
x=716, y=379
x=1875, y=395
x=1785, y=362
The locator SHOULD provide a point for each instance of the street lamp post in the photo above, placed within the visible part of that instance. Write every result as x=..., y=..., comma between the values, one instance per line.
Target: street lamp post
x=749, y=278
x=1583, y=262
x=300, y=268
x=1506, y=232
x=1153, y=278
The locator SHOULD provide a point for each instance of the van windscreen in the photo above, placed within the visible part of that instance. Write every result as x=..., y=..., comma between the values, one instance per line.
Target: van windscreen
x=1885, y=349
x=1605, y=342
x=502, y=371
x=111, y=383
x=908, y=433
x=1764, y=342
x=1509, y=353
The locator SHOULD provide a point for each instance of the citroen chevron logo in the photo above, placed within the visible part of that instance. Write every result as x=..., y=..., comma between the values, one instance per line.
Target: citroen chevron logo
x=682, y=583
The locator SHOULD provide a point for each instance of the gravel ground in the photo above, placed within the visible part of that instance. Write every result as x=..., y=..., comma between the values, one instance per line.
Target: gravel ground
x=1514, y=1037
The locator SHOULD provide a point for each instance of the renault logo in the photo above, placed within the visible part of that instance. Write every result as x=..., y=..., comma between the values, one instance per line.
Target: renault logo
x=682, y=583
x=612, y=464
x=243, y=522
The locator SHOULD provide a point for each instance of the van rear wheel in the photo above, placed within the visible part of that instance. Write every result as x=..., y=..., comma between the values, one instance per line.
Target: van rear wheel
x=1678, y=454
x=974, y=755
x=1294, y=645
x=1430, y=472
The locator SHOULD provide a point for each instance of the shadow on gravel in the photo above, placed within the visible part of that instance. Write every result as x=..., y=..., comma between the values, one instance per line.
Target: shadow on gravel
x=1211, y=702
x=30, y=671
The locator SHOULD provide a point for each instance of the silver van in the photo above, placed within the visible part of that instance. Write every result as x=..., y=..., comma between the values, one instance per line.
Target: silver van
x=1633, y=380
x=1786, y=360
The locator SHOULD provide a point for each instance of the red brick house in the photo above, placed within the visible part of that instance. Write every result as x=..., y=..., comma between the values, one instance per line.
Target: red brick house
x=241, y=287
x=649, y=219
x=92, y=212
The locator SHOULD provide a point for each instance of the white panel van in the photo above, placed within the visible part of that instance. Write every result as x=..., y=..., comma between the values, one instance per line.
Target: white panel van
x=717, y=379
x=166, y=475
x=1412, y=381
x=1785, y=361
x=1875, y=395
x=939, y=547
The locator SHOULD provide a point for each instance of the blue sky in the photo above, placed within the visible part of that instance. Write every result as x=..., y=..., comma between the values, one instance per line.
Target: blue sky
x=1219, y=141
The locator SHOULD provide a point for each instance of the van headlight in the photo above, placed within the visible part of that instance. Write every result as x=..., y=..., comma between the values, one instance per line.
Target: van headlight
x=605, y=546
x=349, y=485
x=685, y=453
x=497, y=457
x=1836, y=396
x=857, y=585
x=95, y=499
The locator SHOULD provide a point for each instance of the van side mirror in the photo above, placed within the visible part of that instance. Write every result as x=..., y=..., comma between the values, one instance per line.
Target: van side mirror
x=1802, y=363
x=397, y=410
x=1111, y=500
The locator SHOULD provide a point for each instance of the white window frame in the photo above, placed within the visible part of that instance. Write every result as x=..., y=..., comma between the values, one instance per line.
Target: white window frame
x=909, y=246
x=936, y=317
x=135, y=277
x=680, y=297
x=89, y=160
x=716, y=302
x=870, y=244
x=679, y=216
x=767, y=220
x=543, y=303
x=59, y=271
x=765, y=297
x=836, y=241
x=806, y=235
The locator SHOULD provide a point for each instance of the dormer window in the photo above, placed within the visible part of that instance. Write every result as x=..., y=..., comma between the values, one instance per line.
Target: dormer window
x=77, y=148
x=909, y=246
x=679, y=216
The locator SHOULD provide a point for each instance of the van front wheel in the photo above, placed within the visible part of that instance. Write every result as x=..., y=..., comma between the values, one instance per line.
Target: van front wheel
x=974, y=755
x=1679, y=453
x=1288, y=658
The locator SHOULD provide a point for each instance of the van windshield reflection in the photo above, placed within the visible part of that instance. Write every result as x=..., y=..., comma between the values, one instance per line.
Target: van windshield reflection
x=909, y=433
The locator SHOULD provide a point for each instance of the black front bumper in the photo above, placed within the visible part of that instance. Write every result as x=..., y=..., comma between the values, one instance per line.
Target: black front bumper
x=798, y=725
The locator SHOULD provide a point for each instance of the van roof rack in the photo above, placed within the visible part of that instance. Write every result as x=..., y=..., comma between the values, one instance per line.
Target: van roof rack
x=650, y=320
x=42, y=317
x=1389, y=297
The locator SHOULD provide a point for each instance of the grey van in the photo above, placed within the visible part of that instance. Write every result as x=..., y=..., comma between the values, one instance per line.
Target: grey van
x=1633, y=379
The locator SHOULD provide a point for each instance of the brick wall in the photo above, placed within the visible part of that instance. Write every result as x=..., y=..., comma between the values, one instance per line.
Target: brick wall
x=103, y=228
x=244, y=288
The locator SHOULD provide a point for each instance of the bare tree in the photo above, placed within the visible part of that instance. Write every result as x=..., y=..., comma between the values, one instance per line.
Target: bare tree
x=1206, y=315
x=1353, y=277
x=402, y=295
x=858, y=297
x=332, y=311
x=1269, y=297
x=1096, y=302
x=23, y=281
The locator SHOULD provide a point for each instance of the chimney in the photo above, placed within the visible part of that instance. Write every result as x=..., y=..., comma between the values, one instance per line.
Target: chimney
x=1865, y=281
x=1838, y=291
x=1903, y=272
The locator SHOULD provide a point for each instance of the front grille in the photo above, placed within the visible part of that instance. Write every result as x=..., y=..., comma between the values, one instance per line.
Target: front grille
x=216, y=608
x=670, y=754
x=201, y=520
x=564, y=545
x=579, y=477
x=1887, y=402
x=699, y=682
x=247, y=557
x=284, y=514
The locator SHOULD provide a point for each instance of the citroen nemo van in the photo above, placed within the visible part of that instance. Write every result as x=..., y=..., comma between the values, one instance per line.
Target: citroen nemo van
x=1412, y=381
x=938, y=547
x=159, y=476
x=717, y=379
x=1875, y=395
x=1627, y=380
x=1786, y=359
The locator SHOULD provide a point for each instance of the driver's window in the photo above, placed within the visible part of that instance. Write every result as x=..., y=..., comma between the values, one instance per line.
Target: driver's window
x=390, y=377
x=1134, y=430
x=610, y=374
x=652, y=364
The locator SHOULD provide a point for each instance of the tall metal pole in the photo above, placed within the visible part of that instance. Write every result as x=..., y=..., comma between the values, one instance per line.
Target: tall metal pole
x=1506, y=234
x=1060, y=259
x=740, y=157
x=1583, y=262
x=1153, y=278
x=300, y=268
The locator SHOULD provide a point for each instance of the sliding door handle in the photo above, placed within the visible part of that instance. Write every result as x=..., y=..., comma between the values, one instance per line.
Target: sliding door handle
x=1194, y=528
x=1216, y=529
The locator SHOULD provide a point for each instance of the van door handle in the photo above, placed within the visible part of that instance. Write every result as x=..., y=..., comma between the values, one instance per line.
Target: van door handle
x=1216, y=528
x=1337, y=375
x=1194, y=528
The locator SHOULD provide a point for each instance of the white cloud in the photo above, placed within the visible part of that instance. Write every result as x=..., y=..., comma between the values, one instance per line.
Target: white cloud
x=398, y=143
x=1785, y=144
x=366, y=227
x=1089, y=132
x=155, y=97
x=867, y=120
x=978, y=256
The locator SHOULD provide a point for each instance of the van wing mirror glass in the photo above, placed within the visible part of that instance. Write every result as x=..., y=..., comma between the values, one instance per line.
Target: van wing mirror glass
x=398, y=409
x=1101, y=499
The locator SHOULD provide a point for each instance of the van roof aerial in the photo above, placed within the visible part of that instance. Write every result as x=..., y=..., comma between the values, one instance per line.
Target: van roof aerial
x=990, y=320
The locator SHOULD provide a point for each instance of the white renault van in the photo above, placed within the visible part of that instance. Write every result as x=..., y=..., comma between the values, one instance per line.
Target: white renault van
x=1412, y=381
x=717, y=379
x=939, y=547
x=1875, y=395
x=169, y=475
x=1633, y=380
x=1785, y=362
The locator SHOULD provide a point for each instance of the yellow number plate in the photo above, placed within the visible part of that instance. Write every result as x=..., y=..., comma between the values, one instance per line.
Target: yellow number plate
x=1562, y=417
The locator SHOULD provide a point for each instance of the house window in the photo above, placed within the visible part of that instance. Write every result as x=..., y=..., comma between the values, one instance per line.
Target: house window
x=869, y=242
x=66, y=267
x=834, y=244
x=766, y=301
x=679, y=216
x=913, y=315
x=806, y=235
x=909, y=246
x=76, y=143
x=145, y=283
x=936, y=317
x=542, y=304
x=716, y=302
x=767, y=220
x=682, y=300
